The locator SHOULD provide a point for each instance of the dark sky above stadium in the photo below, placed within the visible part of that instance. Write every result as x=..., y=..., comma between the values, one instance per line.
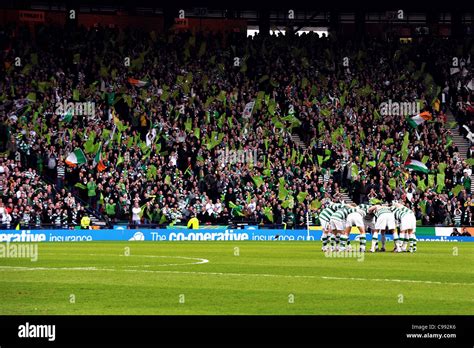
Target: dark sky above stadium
x=421, y=5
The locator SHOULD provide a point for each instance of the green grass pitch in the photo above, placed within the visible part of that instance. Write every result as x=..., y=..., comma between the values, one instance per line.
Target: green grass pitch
x=162, y=278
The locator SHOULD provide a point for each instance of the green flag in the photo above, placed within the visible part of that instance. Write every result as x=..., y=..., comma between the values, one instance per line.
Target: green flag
x=301, y=196
x=151, y=172
x=442, y=167
x=75, y=95
x=31, y=97
x=188, y=125
x=382, y=156
x=282, y=191
x=406, y=140
x=422, y=206
x=457, y=189
x=431, y=179
x=354, y=170
x=393, y=183
x=316, y=204
x=449, y=142
x=81, y=186
x=120, y=160
x=197, y=132
x=421, y=185
x=320, y=160
x=267, y=211
x=258, y=180
x=440, y=182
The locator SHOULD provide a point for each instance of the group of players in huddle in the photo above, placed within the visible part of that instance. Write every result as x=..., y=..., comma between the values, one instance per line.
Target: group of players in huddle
x=337, y=220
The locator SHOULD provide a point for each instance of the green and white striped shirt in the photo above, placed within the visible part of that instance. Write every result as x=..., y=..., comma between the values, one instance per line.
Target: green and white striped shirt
x=327, y=212
x=400, y=212
x=381, y=211
x=341, y=214
x=365, y=208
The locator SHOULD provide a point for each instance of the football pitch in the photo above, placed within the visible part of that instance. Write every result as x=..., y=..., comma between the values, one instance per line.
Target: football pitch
x=185, y=278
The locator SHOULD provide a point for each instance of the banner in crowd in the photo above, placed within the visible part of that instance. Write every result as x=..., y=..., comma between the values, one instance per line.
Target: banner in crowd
x=252, y=233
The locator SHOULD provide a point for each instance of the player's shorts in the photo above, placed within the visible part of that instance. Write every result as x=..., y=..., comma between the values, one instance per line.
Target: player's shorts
x=369, y=223
x=324, y=224
x=354, y=219
x=337, y=225
x=408, y=222
x=386, y=220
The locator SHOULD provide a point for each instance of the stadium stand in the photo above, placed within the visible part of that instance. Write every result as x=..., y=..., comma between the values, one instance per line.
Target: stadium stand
x=186, y=131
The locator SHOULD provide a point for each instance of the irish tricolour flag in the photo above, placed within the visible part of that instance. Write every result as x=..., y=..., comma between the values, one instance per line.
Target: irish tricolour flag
x=98, y=160
x=138, y=83
x=416, y=120
x=75, y=158
x=416, y=165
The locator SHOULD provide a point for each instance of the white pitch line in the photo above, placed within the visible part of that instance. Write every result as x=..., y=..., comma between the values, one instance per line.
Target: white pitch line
x=21, y=268
x=234, y=274
x=200, y=261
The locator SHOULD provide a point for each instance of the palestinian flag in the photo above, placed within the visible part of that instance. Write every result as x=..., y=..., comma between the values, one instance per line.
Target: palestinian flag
x=416, y=120
x=75, y=158
x=98, y=160
x=416, y=166
x=138, y=83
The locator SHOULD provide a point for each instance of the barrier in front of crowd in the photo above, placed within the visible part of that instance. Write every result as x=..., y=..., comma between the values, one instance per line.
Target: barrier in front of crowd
x=248, y=233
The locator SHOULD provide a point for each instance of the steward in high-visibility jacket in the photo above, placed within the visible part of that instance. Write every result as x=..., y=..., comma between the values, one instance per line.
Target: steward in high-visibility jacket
x=85, y=222
x=193, y=223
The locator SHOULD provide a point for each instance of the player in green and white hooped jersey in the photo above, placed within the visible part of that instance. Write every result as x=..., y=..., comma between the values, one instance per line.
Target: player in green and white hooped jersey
x=324, y=218
x=338, y=224
x=384, y=219
x=398, y=238
x=407, y=224
x=356, y=218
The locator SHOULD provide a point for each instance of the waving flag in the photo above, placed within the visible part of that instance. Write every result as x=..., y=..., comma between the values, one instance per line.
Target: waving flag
x=416, y=166
x=416, y=120
x=138, y=83
x=75, y=158
x=248, y=109
x=98, y=160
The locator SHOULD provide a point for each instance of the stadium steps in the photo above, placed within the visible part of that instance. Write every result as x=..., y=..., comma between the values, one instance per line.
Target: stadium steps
x=345, y=196
x=461, y=142
x=97, y=222
x=296, y=139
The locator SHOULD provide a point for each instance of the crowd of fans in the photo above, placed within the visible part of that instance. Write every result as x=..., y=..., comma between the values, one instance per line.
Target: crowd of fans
x=167, y=144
